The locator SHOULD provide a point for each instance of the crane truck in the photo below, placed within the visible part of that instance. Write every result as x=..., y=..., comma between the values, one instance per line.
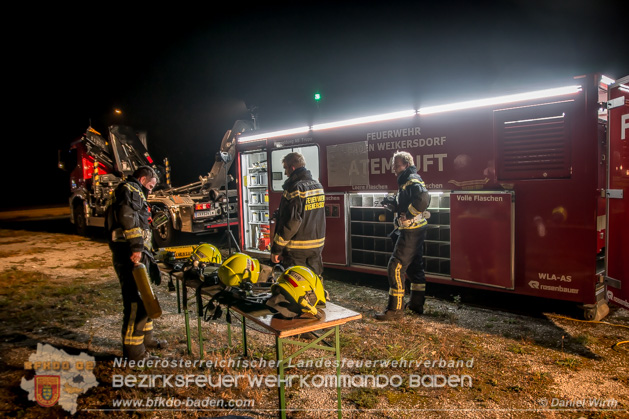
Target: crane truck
x=101, y=163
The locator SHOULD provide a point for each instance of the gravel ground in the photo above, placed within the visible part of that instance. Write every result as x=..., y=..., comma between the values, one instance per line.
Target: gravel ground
x=528, y=362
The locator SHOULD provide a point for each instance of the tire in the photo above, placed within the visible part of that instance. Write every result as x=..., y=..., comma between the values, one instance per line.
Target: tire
x=80, y=222
x=589, y=313
x=165, y=235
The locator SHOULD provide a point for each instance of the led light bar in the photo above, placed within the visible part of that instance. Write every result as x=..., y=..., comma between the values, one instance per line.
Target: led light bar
x=523, y=121
x=281, y=133
x=501, y=100
x=430, y=110
x=365, y=120
x=338, y=124
x=607, y=80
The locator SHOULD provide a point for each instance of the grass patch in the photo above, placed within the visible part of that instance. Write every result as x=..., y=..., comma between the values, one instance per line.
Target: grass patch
x=570, y=363
x=406, y=398
x=11, y=241
x=66, y=238
x=398, y=352
x=518, y=350
x=365, y=398
x=34, y=297
x=16, y=233
x=582, y=339
x=514, y=389
x=541, y=378
x=93, y=264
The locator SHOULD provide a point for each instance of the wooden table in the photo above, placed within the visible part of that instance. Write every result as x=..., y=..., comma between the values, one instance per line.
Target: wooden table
x=333, y=317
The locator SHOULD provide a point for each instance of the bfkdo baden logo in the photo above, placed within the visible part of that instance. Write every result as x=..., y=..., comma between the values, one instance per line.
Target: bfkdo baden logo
x=60, y=378
x=47, y=390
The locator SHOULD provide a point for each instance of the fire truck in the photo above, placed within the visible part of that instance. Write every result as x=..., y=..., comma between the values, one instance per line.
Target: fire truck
x=528, y=190
x=100, y=164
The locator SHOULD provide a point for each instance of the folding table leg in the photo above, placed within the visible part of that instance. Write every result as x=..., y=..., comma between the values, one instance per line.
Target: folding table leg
x=280, y=372
x=200, y=330
x=244, y=335
x=337, y=350
x=178, y=298
x=188, y=339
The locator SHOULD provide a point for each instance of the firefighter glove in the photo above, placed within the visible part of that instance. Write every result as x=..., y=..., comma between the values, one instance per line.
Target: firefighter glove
x=155, y=274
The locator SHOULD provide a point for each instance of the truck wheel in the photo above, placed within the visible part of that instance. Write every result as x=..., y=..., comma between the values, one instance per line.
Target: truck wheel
x=589, y=313
x=597, y=312
x=164, y=236
x=80, y=223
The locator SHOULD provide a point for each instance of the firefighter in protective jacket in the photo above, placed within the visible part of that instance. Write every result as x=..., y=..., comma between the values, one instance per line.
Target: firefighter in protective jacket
x=407, y=257
x=127, y=224
x=300, y=219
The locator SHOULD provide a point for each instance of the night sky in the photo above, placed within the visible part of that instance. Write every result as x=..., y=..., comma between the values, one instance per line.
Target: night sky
x=185, y=74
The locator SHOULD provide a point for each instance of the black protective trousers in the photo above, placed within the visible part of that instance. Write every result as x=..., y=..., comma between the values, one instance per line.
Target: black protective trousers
x=135, y=321
x=309, y=258
x=407, y=260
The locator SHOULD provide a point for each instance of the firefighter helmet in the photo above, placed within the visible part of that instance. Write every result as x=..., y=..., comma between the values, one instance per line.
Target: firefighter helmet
x=298, y=290
x=206, y=253
x=239, y=268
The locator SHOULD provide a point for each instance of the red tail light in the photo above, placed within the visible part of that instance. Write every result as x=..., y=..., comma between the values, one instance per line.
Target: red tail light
x=199, y=207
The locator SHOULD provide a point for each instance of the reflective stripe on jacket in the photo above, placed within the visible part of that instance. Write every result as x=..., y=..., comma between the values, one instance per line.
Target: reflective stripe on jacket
x=301, y=220
x=130, y=221
x=412, y=199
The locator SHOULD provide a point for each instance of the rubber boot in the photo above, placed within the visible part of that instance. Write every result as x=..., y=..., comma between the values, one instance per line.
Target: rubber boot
x=151, y=343
x=134, y=352
x=416, y=304
x=390, y=313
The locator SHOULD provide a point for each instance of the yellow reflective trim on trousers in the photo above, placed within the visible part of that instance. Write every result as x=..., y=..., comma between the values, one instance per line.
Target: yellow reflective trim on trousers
x=418, y=287
x=305, y=244
x=398, y=281
x=148, y=326
x=136, y=340
x=129, y=339
x=132, y=233
x=303, y=194
x=396, y=293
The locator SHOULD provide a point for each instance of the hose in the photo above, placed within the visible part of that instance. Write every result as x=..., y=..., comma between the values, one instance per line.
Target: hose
x=615, y=345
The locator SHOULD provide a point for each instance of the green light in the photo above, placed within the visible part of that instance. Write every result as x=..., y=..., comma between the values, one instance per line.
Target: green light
x=317, y=96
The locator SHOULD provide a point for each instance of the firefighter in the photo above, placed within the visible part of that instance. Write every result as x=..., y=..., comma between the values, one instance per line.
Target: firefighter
x=300, y=219
x=127, y=225
x=407, y=257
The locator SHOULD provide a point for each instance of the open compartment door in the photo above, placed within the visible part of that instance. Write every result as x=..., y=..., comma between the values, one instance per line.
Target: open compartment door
x=617, y=248
x=482, y=238
x=335, y=249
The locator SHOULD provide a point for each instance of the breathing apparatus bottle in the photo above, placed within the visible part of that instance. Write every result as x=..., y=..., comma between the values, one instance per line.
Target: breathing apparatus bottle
x=143, y=282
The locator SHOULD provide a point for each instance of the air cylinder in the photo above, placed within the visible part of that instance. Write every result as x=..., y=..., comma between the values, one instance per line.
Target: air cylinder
x=142, y=281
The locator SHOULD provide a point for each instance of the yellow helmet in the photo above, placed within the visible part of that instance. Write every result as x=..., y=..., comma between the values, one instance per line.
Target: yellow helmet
x=206, y=253
x=239, y=268
x=298, y=290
